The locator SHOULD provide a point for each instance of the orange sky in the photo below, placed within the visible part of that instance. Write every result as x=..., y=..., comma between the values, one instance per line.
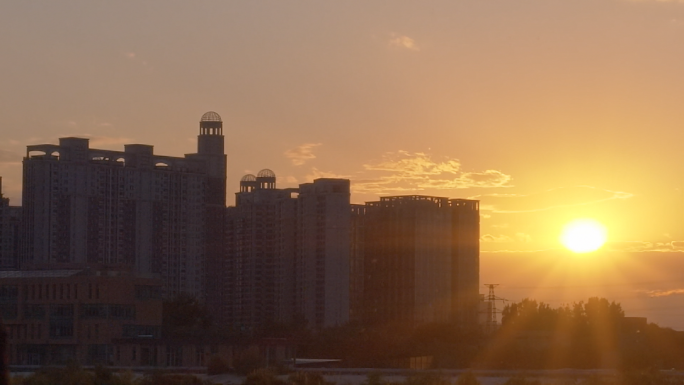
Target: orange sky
x=545, y=110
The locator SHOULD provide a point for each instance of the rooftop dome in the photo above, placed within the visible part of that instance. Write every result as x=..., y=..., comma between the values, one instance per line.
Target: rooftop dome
x=266, y=173
x=211, y=116
x=248, y=178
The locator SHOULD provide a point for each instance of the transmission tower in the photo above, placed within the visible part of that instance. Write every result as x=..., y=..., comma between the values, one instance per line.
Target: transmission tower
x=492, y=298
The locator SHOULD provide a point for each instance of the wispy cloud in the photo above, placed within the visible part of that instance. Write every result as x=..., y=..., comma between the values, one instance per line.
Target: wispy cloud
x=645, y=246
x=316, y=174
x=289, y=179
x=302, y=153
x=663, y=293
x=402, y=41
x=629, y=246
x=516, y=251
x=502, y=238
x=403, y=171
x=490, y=238
x=80, y=125
x=135, y=57
x=561, y=197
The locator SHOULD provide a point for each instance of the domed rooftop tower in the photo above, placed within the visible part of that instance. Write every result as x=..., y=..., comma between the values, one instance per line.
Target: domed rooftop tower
x=210, y=146
x=210, y=140
x=266, y=179
x=248, y=183
x=211, y=124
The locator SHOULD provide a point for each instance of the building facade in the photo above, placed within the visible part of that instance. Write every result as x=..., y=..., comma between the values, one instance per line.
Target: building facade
x=421, y=260
x=59, y=315
x=287, y=254
x=356, y=262
x=260, y=263
x=131, y=210
x=465, y=261
x=10, y=217
x=323, y=253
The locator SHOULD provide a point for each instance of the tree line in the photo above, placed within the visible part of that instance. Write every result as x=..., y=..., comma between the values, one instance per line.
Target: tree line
x=532, y=335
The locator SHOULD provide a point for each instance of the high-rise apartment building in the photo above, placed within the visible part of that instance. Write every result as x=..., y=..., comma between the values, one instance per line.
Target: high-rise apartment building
x=287, y=254
x=356, y=262
x=131, y=210
x=324, y=234
x=465, y=261
x=261, y=242
x=421, y=260
x=9, y=233
x=278, y=256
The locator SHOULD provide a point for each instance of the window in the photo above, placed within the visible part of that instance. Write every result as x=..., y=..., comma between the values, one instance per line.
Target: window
x=34, y=311
x=141, y=331
x=9, y=294
x=9, y=310
x=122, y=311
x=95, y=310
x=61, y=311
x=174, y=355
x=61, y=328
x=145, y=292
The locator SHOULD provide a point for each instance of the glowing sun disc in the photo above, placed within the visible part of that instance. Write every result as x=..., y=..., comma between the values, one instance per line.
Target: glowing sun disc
x=583, y=235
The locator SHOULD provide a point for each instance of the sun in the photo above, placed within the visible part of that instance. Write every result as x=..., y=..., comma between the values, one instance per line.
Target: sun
x=583, y=235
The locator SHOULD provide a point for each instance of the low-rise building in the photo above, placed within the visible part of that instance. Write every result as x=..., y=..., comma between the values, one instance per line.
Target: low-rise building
x=54, y=316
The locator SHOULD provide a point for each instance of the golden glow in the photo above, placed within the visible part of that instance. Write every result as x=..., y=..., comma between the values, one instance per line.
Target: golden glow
x=583, y=235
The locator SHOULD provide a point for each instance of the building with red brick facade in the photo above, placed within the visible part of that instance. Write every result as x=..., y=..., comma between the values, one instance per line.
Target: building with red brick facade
x=54, y=316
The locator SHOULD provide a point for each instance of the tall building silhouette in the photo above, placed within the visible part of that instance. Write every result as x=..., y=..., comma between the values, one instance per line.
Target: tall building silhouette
x=356, y=262
x=324, y=226
x=129, y=210
x=465, y=261
x=300, y=255
x=261, y=244
x=287, y=254
x=211, y=152
x=9, y=233
x=421, y=260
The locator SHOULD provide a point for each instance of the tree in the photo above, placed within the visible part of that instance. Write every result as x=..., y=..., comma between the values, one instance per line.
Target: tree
x=184, y=316
x=467, y=378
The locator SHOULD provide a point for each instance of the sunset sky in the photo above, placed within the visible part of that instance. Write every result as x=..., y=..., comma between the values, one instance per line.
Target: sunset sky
x=544, y=110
